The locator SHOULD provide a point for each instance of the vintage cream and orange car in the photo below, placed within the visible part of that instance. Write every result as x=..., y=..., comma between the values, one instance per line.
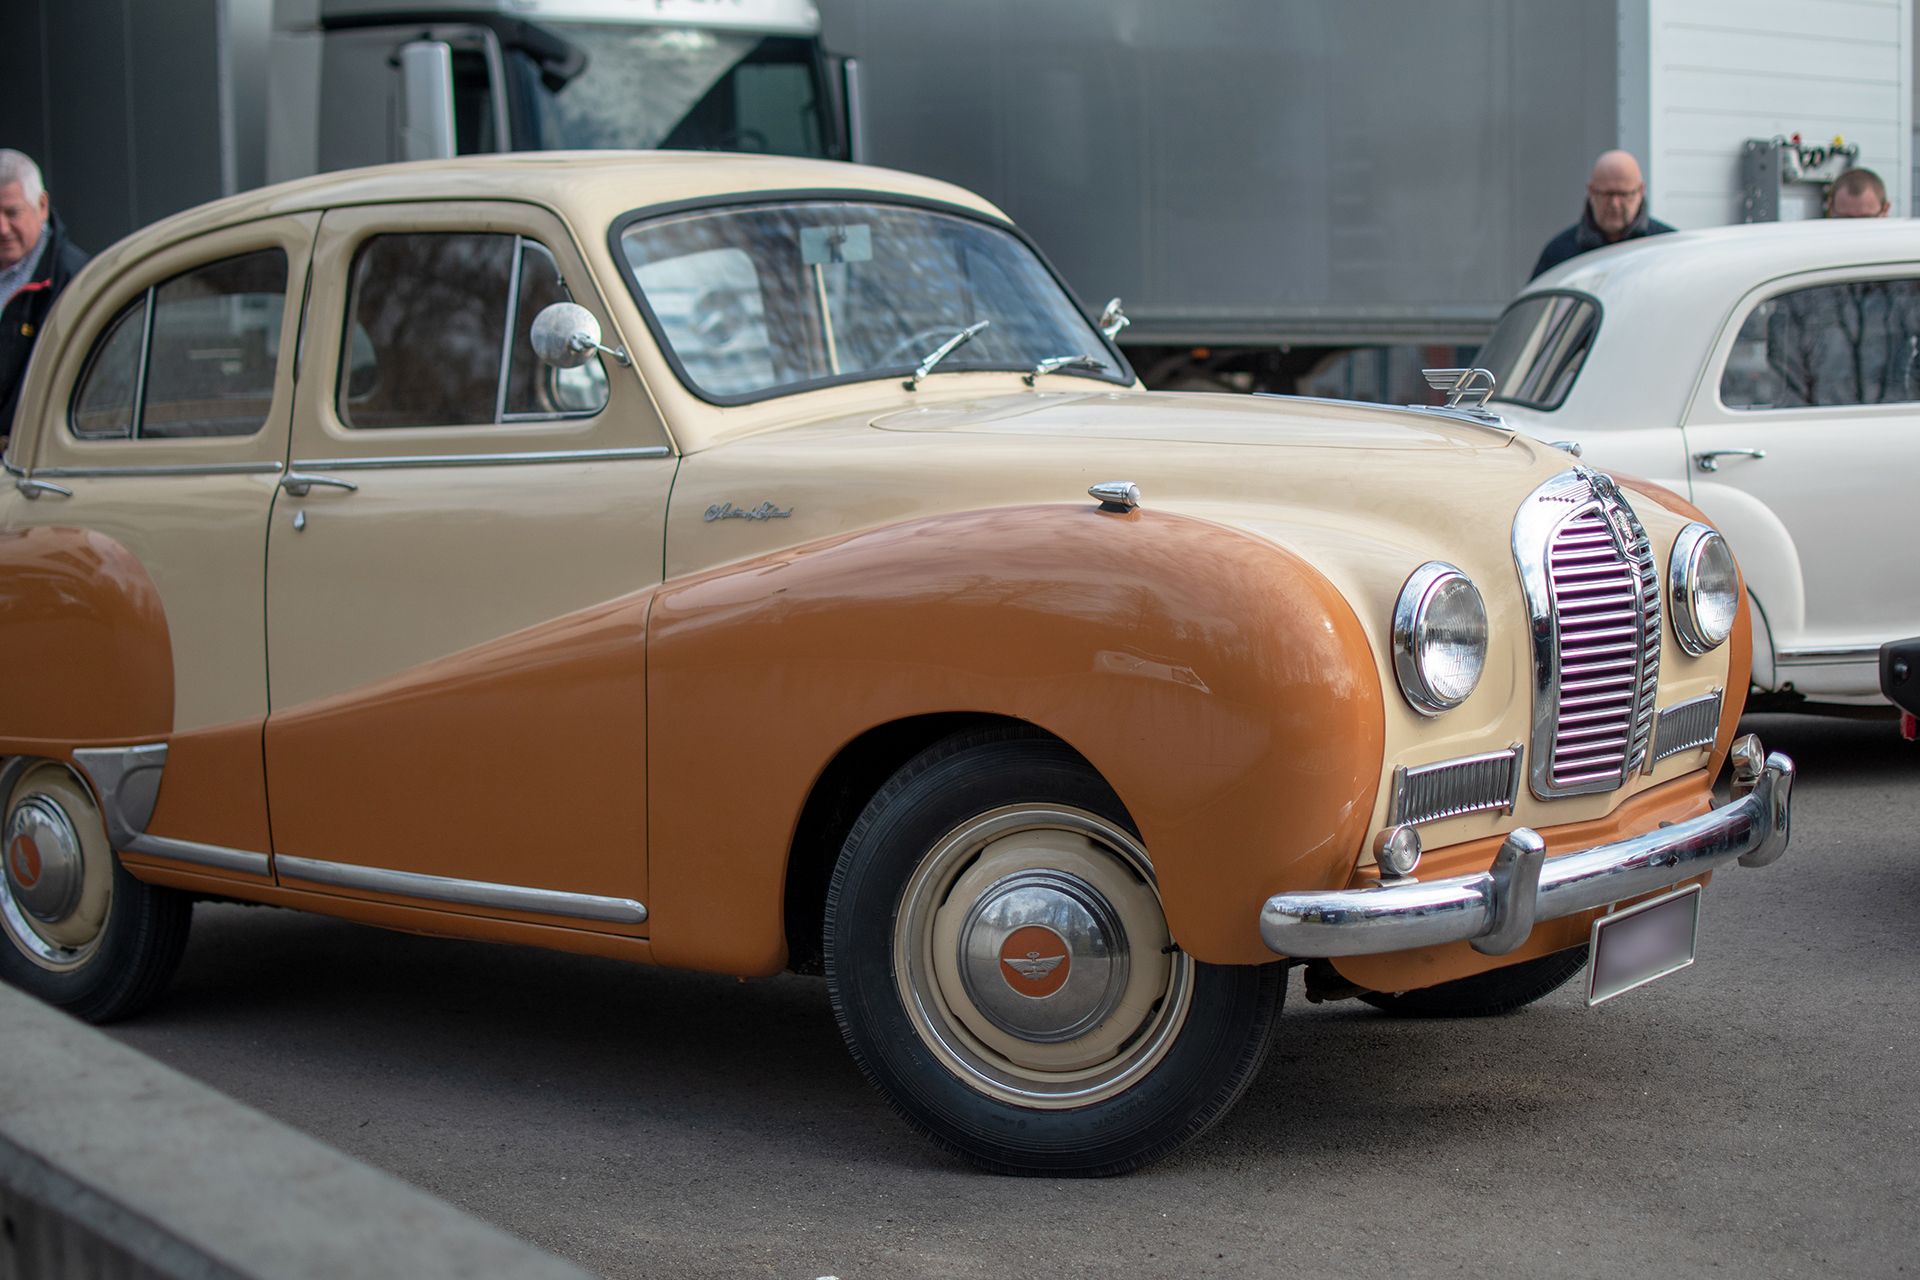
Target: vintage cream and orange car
x=746, y=564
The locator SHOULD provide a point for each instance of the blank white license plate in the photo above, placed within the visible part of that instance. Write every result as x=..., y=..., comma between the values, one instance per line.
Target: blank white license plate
x=1648, y=940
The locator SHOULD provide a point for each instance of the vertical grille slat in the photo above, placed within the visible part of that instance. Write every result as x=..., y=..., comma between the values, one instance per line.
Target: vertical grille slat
x=1606, y=619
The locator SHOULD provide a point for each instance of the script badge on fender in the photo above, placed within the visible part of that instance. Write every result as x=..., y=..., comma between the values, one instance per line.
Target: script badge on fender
x=1034, y=961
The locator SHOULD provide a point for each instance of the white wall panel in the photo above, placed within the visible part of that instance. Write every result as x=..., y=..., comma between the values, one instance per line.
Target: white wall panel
x=1722, y=71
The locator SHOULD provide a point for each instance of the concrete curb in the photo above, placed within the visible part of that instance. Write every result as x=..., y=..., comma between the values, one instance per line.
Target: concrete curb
x=114, y=1154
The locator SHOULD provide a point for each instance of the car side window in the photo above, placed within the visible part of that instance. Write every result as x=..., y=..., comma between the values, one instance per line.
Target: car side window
x=194, y=356
x=1835, y=344
x=437, y=335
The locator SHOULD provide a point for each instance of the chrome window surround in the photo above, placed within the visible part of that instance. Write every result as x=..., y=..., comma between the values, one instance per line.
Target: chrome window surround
x=1682, y=568
x=1686, y=726
x=1409, y=625
x=1573, y=493
x=1470, y=784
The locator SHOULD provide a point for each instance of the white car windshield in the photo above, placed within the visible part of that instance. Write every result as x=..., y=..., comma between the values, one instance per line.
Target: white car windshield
x=762, y=300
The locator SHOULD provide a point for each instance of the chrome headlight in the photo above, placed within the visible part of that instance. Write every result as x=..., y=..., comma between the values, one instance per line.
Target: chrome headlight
x=1703, y=589
x=1439, y=638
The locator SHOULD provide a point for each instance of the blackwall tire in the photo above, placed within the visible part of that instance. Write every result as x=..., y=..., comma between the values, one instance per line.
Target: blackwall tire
x=1082, y=1046
x=1485, y=994
x=105, y=950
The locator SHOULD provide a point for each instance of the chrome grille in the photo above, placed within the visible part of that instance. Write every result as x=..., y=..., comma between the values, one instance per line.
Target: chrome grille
x=1450, y=788
x=1594, y=597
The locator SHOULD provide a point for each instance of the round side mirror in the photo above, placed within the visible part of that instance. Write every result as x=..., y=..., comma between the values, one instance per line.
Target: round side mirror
x=565, y=335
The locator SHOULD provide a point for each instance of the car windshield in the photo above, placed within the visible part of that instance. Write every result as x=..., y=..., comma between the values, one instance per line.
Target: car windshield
x=1538, y=347
x=682, y=89
x=763, y=300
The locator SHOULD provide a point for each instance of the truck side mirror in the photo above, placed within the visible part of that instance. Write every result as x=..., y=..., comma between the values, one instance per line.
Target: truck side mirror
x=426, y=74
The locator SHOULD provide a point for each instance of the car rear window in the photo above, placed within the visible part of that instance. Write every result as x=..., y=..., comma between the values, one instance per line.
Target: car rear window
x=195, y=356
x=1538, y=348
x=1834, y=344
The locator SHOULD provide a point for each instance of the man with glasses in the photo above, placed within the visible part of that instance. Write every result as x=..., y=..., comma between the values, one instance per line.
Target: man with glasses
x=1616, y=210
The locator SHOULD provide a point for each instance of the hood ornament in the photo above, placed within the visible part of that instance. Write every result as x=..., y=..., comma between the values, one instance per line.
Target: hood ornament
x=1465, y=388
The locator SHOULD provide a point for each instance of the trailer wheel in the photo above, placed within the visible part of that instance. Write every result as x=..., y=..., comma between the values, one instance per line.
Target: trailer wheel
x=1001, y=968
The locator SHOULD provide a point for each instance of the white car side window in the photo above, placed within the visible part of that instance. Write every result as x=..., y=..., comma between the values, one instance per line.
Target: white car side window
x=1834, y=344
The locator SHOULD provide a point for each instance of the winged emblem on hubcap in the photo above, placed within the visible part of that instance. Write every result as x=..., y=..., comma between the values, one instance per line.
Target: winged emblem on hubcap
x=1035, y=966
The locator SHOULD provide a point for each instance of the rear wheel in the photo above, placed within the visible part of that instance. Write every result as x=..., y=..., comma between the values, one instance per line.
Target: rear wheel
x=1001, y=967
x=1485, y=994
x=81, y=932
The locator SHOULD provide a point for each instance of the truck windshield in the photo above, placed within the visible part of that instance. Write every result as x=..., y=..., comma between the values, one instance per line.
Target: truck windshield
x=1537, y=349
x=684, y=89
x=760, y=301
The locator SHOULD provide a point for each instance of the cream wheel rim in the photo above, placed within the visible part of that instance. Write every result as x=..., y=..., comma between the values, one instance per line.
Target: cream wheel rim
x=1032, y=956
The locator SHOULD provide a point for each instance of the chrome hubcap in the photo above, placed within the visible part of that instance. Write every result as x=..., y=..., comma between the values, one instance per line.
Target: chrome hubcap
x=46, y=868
x=1032, y=956
x=1043, y=956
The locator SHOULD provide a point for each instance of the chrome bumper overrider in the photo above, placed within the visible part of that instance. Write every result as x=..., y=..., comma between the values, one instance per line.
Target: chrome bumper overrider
x=1497, y=909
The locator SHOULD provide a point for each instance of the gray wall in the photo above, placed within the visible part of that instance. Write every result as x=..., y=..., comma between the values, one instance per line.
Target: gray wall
x=1280, y=165
x=119, y=103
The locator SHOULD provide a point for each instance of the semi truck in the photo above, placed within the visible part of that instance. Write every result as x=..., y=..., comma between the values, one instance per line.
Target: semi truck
x=357, y=82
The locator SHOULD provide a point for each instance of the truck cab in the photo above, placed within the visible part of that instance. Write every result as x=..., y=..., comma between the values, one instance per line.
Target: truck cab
x=360, y=82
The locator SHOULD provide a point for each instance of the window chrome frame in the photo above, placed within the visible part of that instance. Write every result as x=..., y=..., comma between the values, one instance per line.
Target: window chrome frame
x=1125, y=377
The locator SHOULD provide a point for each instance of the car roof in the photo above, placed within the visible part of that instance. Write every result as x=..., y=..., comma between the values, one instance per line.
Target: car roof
x=590, y=188
x=1665, y=299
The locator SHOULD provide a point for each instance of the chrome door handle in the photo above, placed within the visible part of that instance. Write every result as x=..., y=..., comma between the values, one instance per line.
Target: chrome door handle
x=35, y=488
x=300, y=485
x=1710, y=460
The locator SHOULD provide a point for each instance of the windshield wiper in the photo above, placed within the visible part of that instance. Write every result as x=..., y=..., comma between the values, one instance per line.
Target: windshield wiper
x=941, y=352
x=1053, y=364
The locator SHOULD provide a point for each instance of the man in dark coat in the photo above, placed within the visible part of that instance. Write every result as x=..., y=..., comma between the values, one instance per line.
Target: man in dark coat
x=1616, y=210
x=36, y=261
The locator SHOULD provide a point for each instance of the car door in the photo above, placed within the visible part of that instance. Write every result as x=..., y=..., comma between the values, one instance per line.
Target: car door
x=172, y=402
x=1803, y=439
x=458, y=569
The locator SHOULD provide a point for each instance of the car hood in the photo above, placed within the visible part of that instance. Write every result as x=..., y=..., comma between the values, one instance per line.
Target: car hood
x=1262, y=421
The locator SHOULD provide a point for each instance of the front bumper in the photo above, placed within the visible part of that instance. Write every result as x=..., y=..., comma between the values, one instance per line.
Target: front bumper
x=1495, y=910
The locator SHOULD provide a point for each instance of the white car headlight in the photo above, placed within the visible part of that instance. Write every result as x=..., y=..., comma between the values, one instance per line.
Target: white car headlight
x=1703, y=589
x=1439, y=638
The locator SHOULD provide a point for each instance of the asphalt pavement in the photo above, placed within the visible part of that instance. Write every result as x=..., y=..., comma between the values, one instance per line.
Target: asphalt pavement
x=1753, y=1115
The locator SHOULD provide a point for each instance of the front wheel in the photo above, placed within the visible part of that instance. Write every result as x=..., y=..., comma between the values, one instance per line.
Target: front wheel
x=81, y=932
x=1001, y=967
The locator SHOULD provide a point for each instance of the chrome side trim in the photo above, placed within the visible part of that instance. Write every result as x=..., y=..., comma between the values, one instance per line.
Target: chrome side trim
x=1686, y=726
x=1470, y=784
x=169, y=469
x=1803, y=657
x=479, y=459
x=126, y=781
x=1487, y=907
x=475, y=893
x=207, y=855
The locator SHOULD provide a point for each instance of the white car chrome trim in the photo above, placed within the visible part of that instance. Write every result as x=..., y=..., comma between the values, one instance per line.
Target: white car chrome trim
x=1804, y=657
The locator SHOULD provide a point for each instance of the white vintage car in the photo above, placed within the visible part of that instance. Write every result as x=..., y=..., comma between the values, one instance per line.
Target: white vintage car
x=1771, y=373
